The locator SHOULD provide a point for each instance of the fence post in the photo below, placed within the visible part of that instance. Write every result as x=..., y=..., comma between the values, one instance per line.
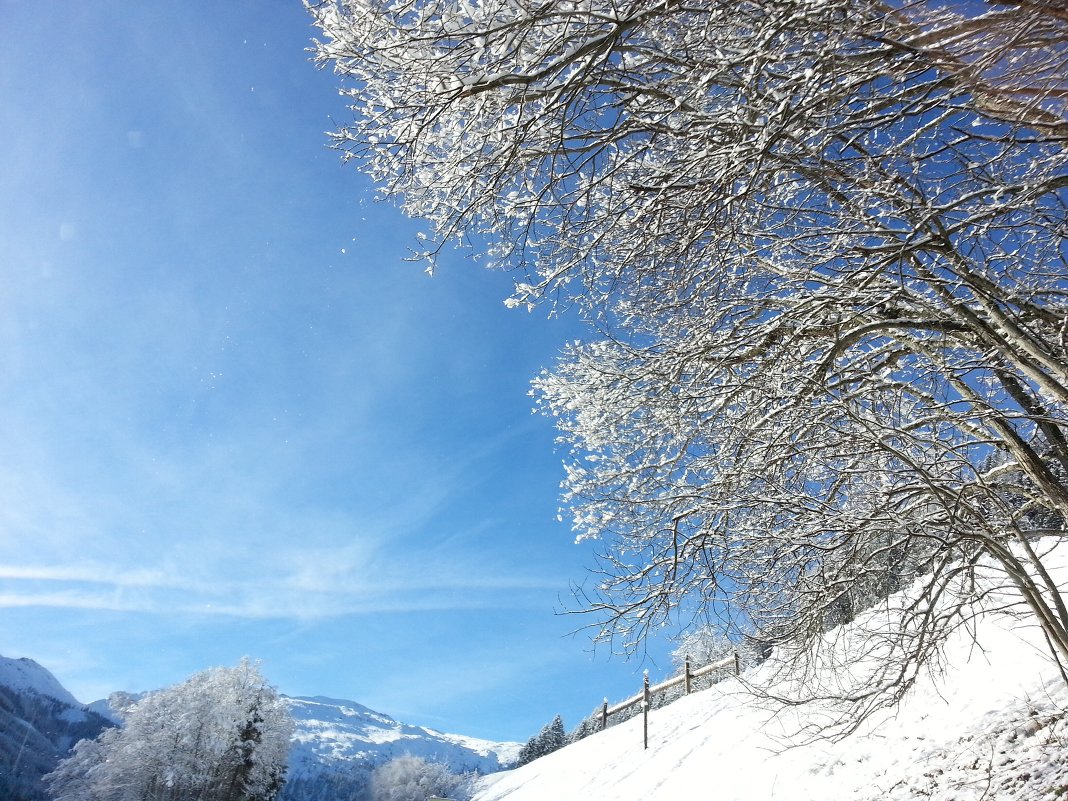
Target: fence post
x=645, y=709
x=688, y=677
x=604, y=715
x=737, y=664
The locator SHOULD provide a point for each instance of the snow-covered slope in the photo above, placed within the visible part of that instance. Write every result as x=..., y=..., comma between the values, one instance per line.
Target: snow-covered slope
x=992, y=727
x=25, y=675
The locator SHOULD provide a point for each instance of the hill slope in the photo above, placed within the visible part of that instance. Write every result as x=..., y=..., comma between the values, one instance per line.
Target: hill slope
x=992, y=727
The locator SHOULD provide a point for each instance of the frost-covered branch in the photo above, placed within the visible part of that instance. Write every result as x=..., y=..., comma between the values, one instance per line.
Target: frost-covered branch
x=825, y=245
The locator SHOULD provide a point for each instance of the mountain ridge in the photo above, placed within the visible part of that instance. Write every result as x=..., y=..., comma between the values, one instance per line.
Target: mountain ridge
x=338, y=743
x=23, y=673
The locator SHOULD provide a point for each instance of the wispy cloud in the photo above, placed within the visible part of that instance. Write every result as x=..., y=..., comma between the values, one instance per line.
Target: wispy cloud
x=84, y=573
x=284, y=583
x=216, y=530
x=71, y=599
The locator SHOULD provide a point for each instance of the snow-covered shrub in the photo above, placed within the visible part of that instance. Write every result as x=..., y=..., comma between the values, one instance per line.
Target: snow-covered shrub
x=410, y=778
x=702, y=646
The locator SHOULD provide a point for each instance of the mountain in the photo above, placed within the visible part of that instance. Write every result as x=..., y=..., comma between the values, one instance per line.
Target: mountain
x=39, y=722
x=25, y=675
x=338, y=743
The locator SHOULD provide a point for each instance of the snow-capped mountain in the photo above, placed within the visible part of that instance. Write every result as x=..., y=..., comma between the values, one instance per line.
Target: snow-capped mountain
x=39, y=722
x=338, y=743
x=25, y=675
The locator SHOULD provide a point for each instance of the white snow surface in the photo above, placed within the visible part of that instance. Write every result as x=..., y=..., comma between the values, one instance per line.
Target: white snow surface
x=25, y=675
x=331, y=732
x=992, y=727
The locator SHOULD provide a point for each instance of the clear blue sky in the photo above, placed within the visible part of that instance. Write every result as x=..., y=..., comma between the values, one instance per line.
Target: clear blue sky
x=233, y=420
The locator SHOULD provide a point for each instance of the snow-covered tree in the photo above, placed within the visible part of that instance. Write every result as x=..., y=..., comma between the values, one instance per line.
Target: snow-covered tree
x=701, y=646
x=410, y=778
x=825, y=246
x=528, y=752
x=221, y=735
x=551, y=738
x=591, y=724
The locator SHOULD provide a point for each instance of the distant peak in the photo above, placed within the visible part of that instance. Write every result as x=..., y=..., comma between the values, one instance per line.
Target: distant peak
x=339, y=703
x=25, y=675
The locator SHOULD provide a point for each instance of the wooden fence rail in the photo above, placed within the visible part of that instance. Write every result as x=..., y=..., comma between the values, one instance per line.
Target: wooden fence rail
x=685, y=678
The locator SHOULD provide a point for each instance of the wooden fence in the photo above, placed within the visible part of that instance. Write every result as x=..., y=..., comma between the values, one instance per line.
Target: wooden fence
x=645, y=697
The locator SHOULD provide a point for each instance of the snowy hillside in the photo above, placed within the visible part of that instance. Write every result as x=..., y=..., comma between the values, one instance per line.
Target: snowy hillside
x=992, y=727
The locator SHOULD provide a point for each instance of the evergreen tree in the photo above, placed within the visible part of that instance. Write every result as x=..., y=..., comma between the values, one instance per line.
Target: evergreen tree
x=551, y=738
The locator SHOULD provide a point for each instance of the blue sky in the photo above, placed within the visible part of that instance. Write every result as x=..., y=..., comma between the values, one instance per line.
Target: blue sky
x=233, y=420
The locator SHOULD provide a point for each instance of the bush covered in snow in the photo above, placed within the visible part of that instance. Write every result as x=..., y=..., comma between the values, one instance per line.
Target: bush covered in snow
x=410, y=778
